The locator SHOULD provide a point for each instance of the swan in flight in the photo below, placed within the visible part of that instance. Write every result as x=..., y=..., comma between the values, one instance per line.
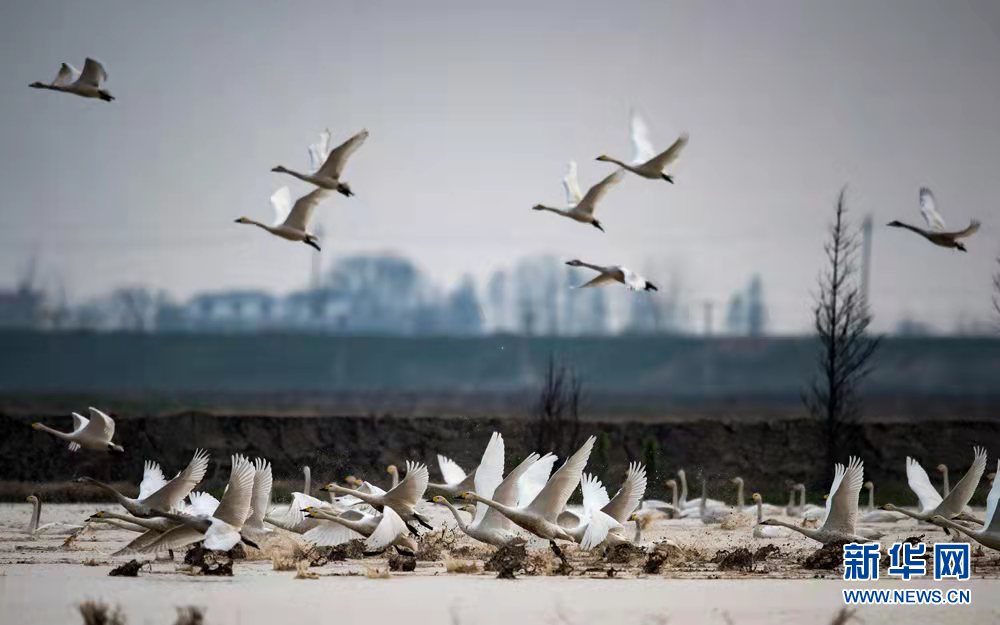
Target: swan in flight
x=989, y=536
x=645, y=161
x=403, y=498
x=220, y=530
x=931, y=502
x=765, y=531
x=935, y=232
x=614, y=273
x=379, y=530
x=456, y=481
x=86, y=84
x=541, y=515
x=260, y=499
x=841, y=505
x=56, y=528
x=154, y=491
x=581, y=208
x=872, y=515
x=94, y=433
x=292, y=221
x=604, y=518
x=327, y=176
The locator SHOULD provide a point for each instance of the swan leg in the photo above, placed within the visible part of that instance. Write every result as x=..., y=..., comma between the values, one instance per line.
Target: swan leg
x=412, y=529
x=423, y=522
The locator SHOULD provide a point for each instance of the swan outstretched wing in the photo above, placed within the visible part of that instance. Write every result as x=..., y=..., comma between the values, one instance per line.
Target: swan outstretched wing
x=79, y=422
x=452, y=473
x=389, y=527
x=928, y=208
x=169, y=496
x=152, y=479
x=959, y=496
x=633, y=281
x=334, y=165
x=174, y=538
x=597, y=530
x=642, y=145
x=534, y=479
x=221, y=536
x=235, y=504
x=992, y=521
x=201, y=504
x=970, y=230
x=330, y=534
x=557, y=491
x=920, y=484
x=100, y=426
x=281, y=202
x=506, y=493
x=602, y=279
x=302, y=211
x=489, y=473
x=842, y=504
x=319, y=151
x=571, y=184
x=627, y=499
x=596, y=192
x=93, y=73
x=261, y=499
x=411, y=488
x=670, y=154
x=67, y=75
x=595, y=496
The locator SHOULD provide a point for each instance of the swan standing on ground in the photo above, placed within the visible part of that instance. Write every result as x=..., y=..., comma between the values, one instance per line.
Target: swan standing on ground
x=403, y=498
x=989, y=536
x=379, y=530
x=765, y=531
x=220, y=530
x=935, y=225
x=931, y=503
x=94, y=433
x=55, y=528
x=768, y=508
x=292, y=222
x=645, y=161
x=842, y=508
x=579, y=208
x=541, y=516
x=154, y=491
x=86, y=84
x=328, y=175
x=614, y=273
x=872, y=515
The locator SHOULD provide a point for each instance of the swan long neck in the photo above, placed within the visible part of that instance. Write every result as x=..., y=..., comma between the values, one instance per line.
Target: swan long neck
x=946, y=487
x=871, y=498
x=791, y=498
x=122, y=499
x=45, y=428
x=957, y=526
x=802, y=497
x=739, y=494
x=507, y=511
x=145, y=523
x=684, y=486
x=637, y=537
x=461, y=524
x=704, y=496
x=36, y=515
x=760, y=513
x=395, y=479
x=307, y=479
x=673, y=495
x=912, y=515
x=805, y=531
x=919, y=231
x=618, y=162
x=365, y=497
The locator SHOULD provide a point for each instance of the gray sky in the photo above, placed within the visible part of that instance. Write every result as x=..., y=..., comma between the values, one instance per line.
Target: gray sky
x=474, y=112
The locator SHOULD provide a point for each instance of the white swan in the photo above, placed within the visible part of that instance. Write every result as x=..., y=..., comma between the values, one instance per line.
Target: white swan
x=155, y=492
x=935, y=225
x=931, y=503
x=810, y=511
x=579, y=208
x=614, y=273
x=765, y=531
x=645, y=161
x=56, y=528
x=327, y=176
x=456, y=481
x=712, y=514
x=842, y=507
x=603, y=518
x=872, y=515
x=94, y=433
x=292, y=222
x=541, y=516
x=150, y=528
x=260, y=499
x=86, y=84
x=694, y=504
x=487, y=525
x=379, y=531
x=770, y=509
x=403, y=498
x=989, y=536
x=220, y=531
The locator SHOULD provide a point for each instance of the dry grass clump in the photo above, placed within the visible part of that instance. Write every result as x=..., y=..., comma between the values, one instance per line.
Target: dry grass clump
x=284, y=560
x=302, y=570
x=190, y=615
x=736, y=521
x=97, y=613
x=377, y=573
x=433, y=545
x=452, y=565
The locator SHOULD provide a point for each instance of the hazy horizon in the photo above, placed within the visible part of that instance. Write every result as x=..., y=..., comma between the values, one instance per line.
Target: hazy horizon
x=474, y=112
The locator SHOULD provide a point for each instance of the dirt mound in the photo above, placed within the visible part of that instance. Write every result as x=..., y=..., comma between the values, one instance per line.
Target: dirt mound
x=401, y=562
x=508, y=560
x=666, y=554
x=624, y=553
x=207, y=562
x=129, y=569
x=742, y=559
x=826, y=558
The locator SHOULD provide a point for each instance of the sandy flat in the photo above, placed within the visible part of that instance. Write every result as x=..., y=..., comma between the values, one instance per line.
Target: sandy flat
x=43, y=581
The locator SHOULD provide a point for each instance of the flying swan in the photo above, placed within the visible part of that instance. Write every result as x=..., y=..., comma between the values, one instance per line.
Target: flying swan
x=645, y=161
x=86, y=84
x=94, y=433
x=292, y=222
x=327, y=176
x=614, y=273
x=581, y=208
x=935, y=232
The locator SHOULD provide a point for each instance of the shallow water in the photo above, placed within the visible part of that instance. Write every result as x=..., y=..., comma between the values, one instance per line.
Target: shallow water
x=43, y=582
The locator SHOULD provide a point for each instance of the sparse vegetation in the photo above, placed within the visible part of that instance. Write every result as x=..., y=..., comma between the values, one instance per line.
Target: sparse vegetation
x=377, y=573
x=302, y=570
x=557, y=413
x=452, y=565
x=190, y=615
x=98, y=613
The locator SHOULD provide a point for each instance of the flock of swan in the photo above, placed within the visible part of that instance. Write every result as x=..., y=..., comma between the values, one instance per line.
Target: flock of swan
x=531, y=499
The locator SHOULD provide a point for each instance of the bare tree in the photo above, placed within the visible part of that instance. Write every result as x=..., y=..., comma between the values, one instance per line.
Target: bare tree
x=846, y=348
x=557, y=414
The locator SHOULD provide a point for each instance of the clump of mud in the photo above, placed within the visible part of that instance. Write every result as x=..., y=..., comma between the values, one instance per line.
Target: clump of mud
x=207, y=562
x=507, y=560
x=434, y=545
x=826, y=558
x=402, y=562
x=96, y=613
x=665, y=554
x=742, y=559
x=129, y=569
x=351, y=550
x=624, y=553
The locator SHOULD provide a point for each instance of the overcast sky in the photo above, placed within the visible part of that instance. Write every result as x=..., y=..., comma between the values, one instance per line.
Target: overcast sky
x=474, y=110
